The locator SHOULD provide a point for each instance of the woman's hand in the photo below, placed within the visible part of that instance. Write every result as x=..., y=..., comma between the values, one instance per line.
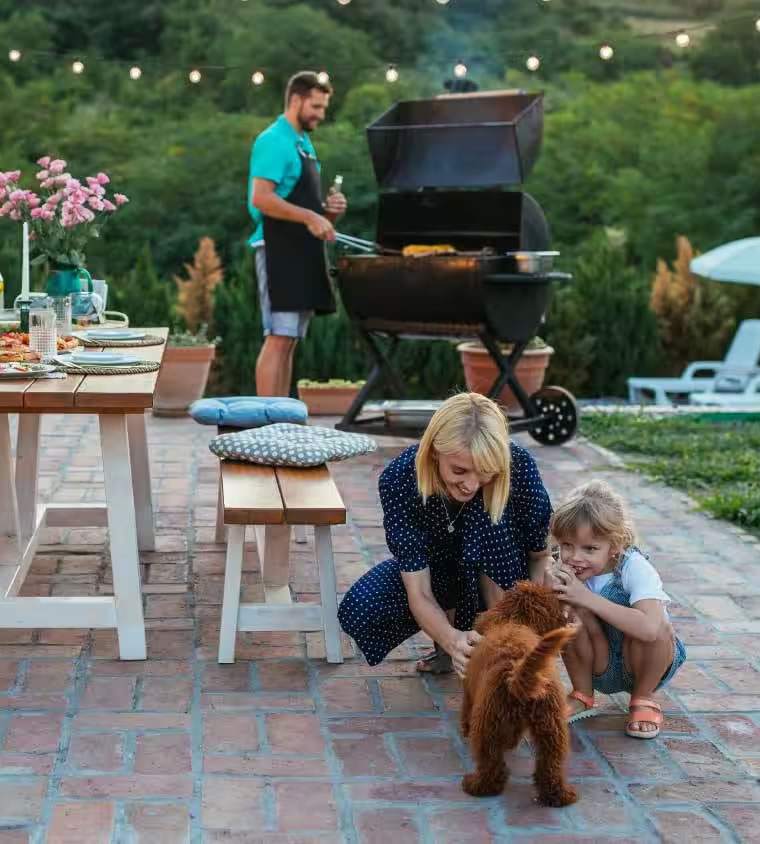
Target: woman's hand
x=460, y=649
x=567, y=587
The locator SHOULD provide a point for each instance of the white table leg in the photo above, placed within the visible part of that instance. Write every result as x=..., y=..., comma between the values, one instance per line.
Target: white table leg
x=27, y=471
x=143, y=497
x=10, y=533
x=328, y=588
x=221, y=533
x=122, y=528
x=299, y=534
x=233, y=568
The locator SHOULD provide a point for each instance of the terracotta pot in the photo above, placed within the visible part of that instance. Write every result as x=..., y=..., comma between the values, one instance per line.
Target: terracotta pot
x=480, y=372
x=327, y=401
x=182, y=378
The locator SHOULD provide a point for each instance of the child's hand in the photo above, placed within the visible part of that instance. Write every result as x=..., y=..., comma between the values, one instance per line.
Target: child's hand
x=567, y=586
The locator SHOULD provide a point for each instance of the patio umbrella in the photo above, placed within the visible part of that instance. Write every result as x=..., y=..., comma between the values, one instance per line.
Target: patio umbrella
x=738, y=261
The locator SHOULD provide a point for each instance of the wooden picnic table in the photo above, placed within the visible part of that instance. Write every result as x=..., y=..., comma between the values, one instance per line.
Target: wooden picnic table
x=120, y=402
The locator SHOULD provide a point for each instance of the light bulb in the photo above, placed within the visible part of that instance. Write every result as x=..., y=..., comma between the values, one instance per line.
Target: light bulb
x=460, y=70
x=344, y=2
x=682, y=39
x=323, y=77
x=257, y=78
x=757, y=24
x=391, y=75
x=135, y=72
x=14, y=55
x=533, y=63
x=442, y=2
x=606, y=52
x=78, y=67
x=194, y=76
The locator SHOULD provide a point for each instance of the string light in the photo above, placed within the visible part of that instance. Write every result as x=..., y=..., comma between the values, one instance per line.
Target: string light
x=323, y=77
x=442, y=2
x=533, y=63
x=78, y=67
x=194, y=76
x=606, y=52
x=683, y=39
x=344, y=2
x=14, y=55
x=757, y=24
x=460, y=70
x=257, y=78
x=391, y=75
x=135, y=72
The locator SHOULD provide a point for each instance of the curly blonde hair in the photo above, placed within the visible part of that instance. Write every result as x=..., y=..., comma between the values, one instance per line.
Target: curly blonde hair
x=467, y=422
x=598, y=506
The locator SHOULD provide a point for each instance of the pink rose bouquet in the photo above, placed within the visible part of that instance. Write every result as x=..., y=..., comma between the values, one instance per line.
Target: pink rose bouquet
x=63, y=213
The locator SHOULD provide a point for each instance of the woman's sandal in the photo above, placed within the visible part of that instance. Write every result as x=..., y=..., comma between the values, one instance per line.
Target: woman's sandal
x=643, y=711
x=588, y=711
x=436, y=662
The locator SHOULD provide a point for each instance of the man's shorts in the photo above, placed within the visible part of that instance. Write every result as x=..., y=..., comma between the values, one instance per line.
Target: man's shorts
x=279, y=323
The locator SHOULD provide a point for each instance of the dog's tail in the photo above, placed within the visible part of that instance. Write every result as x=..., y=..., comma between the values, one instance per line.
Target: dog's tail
x=526, y=682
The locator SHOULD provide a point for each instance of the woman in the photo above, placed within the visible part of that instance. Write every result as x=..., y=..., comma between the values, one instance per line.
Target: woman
x=466, y=515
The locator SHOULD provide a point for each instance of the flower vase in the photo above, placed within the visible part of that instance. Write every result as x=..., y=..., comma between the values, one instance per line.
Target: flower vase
x=63, y=280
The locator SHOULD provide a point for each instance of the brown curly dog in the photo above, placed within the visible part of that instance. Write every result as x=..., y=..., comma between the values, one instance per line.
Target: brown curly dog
x=512, y=687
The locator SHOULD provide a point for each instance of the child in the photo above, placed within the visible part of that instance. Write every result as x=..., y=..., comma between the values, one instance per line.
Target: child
x=466, y=515
x=625, y=642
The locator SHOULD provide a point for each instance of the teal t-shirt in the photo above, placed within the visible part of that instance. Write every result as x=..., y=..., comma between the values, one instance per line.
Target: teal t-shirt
x=275, y=156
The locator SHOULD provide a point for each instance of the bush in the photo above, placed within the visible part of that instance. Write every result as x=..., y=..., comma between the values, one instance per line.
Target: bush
x=601, y=325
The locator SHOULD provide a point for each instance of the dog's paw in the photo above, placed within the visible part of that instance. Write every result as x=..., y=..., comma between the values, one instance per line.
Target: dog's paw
x=562, y=795
x=479, y=786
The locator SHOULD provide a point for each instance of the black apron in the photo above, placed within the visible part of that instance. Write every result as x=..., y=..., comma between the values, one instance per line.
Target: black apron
x=297, y=272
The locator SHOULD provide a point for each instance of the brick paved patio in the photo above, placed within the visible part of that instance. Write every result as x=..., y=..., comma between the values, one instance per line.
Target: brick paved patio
x=282, y=747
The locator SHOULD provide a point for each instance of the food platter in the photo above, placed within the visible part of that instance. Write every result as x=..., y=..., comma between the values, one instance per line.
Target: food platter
x=15, y=348
x=24, y=369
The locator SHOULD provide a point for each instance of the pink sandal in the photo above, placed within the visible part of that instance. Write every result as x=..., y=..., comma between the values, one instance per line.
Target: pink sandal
x=643, y=711
x=588, y=711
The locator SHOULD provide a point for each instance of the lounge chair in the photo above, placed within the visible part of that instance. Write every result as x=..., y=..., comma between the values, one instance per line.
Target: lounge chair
x=747, y=399
x=732, y=374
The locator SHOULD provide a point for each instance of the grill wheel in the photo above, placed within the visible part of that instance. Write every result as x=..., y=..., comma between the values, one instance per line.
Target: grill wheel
x=558, y=407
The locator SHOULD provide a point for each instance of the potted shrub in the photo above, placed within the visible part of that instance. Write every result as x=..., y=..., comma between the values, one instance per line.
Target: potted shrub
x=328, y=398
x=189, y=354
x=480, y=371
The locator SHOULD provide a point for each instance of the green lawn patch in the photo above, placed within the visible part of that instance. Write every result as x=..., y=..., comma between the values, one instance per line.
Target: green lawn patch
x=714, y=460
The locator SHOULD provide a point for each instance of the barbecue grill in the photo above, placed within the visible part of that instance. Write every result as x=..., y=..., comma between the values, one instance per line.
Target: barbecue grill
x=441, y=166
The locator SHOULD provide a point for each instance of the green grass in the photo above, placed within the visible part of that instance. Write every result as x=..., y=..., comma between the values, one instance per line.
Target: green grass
x=715, y=461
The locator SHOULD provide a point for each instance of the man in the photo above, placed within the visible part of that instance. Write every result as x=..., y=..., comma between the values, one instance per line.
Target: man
x=293, y=223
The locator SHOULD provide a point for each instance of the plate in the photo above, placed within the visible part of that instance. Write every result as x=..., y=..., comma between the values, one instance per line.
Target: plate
x=101, y=359
x=24, y=370
x=112, y=334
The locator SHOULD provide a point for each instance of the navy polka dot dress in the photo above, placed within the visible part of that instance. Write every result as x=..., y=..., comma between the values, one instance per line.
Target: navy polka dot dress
x=375, y=611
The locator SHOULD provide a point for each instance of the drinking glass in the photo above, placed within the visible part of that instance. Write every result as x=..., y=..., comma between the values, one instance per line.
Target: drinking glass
x=62, y=308
x=42, y=333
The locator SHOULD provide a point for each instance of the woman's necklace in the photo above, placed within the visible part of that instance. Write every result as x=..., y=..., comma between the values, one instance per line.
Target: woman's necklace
x=450, y=527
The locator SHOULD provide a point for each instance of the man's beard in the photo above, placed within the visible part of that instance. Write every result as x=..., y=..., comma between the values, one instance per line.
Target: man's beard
x=305, y=126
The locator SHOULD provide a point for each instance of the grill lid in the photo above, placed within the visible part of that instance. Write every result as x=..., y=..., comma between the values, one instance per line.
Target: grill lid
x=462, y=140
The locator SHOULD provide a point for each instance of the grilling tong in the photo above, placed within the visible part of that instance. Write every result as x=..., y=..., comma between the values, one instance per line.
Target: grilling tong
x=364, y=245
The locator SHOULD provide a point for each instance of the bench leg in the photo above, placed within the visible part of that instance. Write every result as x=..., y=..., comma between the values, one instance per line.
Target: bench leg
x=220, y=528
x=233, y=568
x=299, y=532
x=273, y=549
x=329, y=592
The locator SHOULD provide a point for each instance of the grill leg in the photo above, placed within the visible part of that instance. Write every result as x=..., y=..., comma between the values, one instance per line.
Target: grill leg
x=507, y=364
x=382, y=368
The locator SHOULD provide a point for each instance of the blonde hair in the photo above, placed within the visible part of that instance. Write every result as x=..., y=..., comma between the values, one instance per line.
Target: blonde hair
x=598, y=506
x=467, y=422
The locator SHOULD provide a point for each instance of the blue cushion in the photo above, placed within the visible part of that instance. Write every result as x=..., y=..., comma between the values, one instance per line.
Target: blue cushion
x=248, y=411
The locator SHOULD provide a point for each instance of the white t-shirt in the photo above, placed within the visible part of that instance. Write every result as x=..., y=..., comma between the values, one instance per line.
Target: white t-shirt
x=639, y=578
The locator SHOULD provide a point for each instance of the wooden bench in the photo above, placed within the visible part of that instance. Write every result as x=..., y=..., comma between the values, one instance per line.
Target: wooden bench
x=272, y=500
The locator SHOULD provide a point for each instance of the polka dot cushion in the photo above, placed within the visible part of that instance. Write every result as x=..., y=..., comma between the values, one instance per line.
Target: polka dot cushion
x=285, y=444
